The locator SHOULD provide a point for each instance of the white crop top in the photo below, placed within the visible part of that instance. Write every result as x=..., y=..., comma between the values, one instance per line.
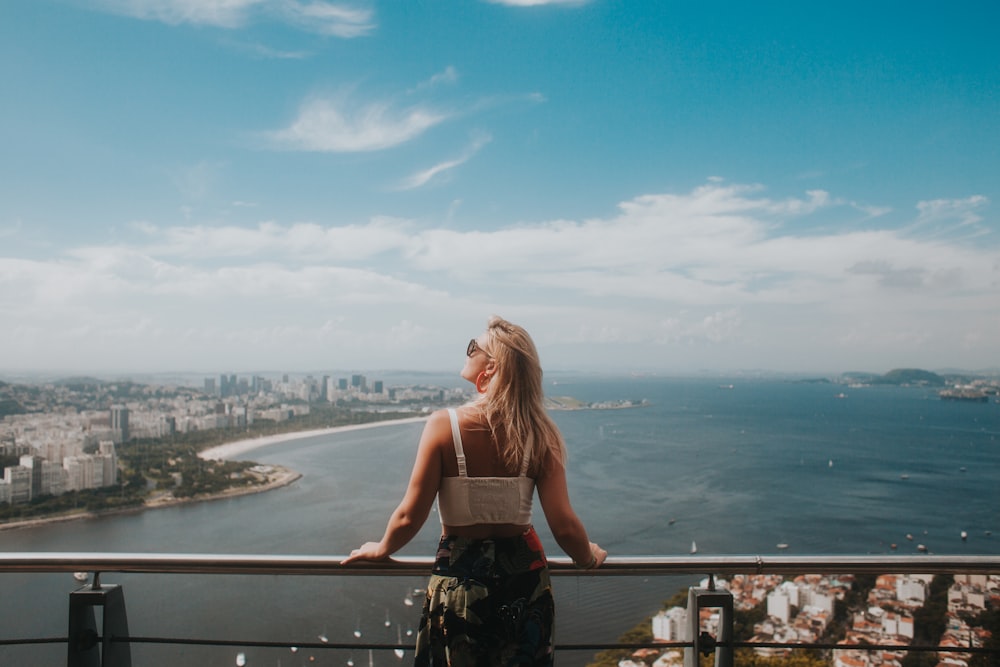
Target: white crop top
x=465, y=501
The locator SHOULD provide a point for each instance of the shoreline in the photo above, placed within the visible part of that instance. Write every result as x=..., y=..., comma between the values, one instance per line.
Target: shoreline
x=278, y=476
x=230, y=450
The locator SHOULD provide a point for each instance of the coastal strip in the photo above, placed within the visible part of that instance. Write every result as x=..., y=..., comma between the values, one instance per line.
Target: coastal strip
x=232, y=450
x=276, y=476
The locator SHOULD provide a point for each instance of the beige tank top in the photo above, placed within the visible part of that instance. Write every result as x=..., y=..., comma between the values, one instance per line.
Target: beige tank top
x=466, y=501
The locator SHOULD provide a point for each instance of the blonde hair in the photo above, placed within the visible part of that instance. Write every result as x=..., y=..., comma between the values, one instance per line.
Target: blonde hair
x=514, y=400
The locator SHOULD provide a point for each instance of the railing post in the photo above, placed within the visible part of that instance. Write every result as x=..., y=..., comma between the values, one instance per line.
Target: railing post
x=704, y=642
x=89, y=646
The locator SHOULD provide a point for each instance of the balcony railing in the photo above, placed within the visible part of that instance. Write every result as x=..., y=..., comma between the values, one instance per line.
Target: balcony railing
x=104, y=640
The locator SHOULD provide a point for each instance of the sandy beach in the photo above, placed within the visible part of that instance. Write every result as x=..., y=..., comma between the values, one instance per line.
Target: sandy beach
x=233, y=450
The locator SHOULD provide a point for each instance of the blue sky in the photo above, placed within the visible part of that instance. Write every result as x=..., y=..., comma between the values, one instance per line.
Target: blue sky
x=206, y=185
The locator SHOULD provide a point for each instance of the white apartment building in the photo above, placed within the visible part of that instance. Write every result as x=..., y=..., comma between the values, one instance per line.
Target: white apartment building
x=17, y=479
x=670, y=625
x=779, y=606
x=911, y=588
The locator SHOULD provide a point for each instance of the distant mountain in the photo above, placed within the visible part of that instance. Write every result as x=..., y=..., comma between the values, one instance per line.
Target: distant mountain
x=910, y=376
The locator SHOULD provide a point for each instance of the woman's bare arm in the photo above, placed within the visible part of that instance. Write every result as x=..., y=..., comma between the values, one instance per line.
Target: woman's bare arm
x=407, y=519
x=566, y=527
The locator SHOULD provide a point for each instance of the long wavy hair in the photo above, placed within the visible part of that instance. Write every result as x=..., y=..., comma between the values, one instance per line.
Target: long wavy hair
x=513, y=403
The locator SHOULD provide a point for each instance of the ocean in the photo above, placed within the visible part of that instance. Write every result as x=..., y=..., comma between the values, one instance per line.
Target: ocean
x=737, y=466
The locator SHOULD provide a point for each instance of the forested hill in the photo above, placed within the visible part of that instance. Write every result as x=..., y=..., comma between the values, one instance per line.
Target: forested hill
x=902, y=376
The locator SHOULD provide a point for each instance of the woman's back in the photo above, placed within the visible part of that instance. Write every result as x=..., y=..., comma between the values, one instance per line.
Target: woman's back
x=480, y=496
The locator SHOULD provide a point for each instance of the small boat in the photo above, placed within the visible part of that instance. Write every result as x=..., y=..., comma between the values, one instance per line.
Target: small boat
x=893, y=546
x=694, y=547
x=921, y=548
x=408, y=602
x=965, y=536
x=782, y=545
x=388, y=623
x=909, y=537
x=904, y=476
x=241, y=659
x=830, y=464
x=322, y=637
x=672, y=522
x=399, y=640
x=293, y=649
x=81, y=576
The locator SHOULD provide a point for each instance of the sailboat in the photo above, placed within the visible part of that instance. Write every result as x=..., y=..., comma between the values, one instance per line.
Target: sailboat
x=399, y=640
x=694, y=547
x=241, y=659
x=388, y=623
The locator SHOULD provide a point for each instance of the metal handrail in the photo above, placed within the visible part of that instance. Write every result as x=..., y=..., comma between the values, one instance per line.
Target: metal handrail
x=219, y=564
x=250, y=564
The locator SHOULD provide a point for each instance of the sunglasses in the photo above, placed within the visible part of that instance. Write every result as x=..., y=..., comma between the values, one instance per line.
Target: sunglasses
x=474, y=347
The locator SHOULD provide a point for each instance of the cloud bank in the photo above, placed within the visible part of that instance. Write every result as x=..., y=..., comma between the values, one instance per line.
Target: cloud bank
x=722, y=276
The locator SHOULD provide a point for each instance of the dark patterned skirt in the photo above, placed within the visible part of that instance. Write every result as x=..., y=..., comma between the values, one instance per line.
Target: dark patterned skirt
x=489, y=603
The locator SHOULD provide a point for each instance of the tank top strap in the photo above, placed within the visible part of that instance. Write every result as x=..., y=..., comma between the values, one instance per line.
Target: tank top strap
x=456, y=437
x=526, y=460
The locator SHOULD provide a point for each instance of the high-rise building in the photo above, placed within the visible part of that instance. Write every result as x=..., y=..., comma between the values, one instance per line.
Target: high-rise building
x=119, y=423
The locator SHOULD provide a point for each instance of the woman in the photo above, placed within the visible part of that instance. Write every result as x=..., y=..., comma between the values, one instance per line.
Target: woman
x=489, y=600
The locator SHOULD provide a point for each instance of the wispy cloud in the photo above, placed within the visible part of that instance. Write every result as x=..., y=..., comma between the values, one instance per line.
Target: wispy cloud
x=952, y=219
x=425, y=176
x=448, y=75
x=217, y=13
x=326, y=18
x=537, y=3
x=196, y=182
x=337, y=125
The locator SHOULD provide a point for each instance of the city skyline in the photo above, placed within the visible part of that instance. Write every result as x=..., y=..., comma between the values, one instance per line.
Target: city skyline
x=201, y=186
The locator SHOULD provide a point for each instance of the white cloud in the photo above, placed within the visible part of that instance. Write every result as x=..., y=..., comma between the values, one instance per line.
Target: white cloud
x=448, y=75
x=218, y=13
x=723, y=271
x=326, y=18
x=954, y=212
x=334, y=125
x=425, y=176
x=536, y=3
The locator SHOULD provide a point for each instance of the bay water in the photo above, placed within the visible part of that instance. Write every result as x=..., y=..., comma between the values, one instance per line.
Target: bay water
x=735, y=466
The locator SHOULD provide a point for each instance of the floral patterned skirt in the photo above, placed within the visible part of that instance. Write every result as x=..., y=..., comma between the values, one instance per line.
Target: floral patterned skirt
x=489, y=603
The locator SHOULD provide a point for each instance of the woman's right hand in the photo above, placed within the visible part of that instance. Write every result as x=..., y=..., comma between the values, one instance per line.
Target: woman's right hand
x=600, y=555
x=367, y=551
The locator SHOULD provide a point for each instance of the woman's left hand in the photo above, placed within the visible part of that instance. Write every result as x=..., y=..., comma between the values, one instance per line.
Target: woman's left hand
x=367, y=551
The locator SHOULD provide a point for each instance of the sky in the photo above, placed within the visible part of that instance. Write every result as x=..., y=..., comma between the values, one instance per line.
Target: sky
x=646, y=186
